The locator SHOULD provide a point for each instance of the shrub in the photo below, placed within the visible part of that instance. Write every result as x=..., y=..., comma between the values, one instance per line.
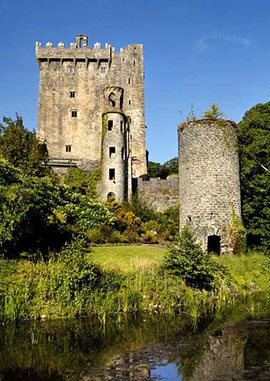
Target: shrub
x=149, y=236
x=187, y=260
x=75, y=272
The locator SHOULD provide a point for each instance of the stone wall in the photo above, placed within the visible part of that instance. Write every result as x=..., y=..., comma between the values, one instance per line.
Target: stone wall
x=70, y=106
x=209, y=180
x=159, y=194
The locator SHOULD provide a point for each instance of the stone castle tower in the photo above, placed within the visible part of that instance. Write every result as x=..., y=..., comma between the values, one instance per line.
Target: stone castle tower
x=91, y=111
x=209, y=181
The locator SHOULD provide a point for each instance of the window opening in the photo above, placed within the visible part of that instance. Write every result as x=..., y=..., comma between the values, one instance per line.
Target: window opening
x=129, y=81
x=110, y=125
x=71, y=69
x=111, y=174
x=123, y=153
x=72, y=94
x=129, y=102
x=111, y=196
x=134, y=63
x=68, y=148
x=74, y=113
x=81, y=43
x=213, y=244
x=112, y=100
x=121, y=126
x=111, y=151
x=103, y=69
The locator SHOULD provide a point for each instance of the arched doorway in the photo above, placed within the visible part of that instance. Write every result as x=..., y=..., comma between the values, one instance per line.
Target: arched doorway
x=213, y=244
x=111, y=196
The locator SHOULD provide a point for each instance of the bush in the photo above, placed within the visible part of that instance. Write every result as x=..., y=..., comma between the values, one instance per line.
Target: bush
x=149, y=237
x=76, y=273
x=187, y=260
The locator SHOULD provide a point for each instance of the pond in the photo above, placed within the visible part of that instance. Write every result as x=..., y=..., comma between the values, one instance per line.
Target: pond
x=137, y=348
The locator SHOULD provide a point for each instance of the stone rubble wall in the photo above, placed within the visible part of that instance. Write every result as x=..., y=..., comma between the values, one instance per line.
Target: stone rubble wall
x=159, y=194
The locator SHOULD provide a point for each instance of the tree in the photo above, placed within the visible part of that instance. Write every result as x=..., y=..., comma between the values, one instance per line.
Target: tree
x=214, y=112
x=170, y=167
x=254, y=148
x=21, y=148
x=186, y=259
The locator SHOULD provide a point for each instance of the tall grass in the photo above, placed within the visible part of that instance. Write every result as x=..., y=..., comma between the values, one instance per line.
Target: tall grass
x=74, y=286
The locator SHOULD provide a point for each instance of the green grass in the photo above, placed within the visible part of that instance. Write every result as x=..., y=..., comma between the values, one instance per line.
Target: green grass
x=128, y=258
x=250, y=271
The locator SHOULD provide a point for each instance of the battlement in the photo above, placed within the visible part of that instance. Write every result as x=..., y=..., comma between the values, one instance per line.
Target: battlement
x=78, y=50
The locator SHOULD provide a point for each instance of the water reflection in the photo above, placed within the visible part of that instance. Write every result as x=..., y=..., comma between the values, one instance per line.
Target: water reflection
x=137, y=348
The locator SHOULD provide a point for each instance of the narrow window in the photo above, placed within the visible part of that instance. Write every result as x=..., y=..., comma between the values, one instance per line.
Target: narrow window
x=134, y=63
x=123, y=153
x=72, y=94
x=111, y=151
x=121, y=126
x=81, y=43
x=68, y=148
x=129, y=81
x=213, y=244
x=71, y=69
x=74, y=113
x=110, y=125
x=103, y=69
x=111, y=174
x=129, y=102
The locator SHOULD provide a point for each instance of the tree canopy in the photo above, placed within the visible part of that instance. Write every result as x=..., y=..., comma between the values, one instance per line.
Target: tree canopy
x=21, y=148
x=254, y=147
x=170, y=167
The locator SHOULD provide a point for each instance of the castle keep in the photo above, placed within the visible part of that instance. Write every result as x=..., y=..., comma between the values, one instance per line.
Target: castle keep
x=91, y=111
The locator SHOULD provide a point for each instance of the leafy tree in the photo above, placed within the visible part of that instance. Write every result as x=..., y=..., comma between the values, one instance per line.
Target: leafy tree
x=254, y=148
x=21, y=148
x=214, y=112
x=170, y=167
x=153, y=169
x=83, y=182
x=38, y=214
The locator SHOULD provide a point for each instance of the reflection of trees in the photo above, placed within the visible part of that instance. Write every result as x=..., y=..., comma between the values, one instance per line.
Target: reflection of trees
x=129, y=349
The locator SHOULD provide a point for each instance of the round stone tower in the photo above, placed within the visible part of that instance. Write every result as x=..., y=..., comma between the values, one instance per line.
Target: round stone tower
x=114, y=155
x=209, y=181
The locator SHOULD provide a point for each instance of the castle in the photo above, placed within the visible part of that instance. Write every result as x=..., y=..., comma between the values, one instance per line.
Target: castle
x=91, y=111
x=91, y=115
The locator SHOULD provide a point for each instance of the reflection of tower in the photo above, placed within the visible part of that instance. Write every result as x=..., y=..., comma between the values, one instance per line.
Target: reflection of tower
x=209, y=181
x=115, y=139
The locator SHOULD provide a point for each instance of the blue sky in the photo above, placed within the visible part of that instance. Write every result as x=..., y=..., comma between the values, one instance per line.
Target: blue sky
x=195, y=51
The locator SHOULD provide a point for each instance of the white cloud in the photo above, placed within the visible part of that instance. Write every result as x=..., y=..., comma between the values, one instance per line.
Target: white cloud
x=205, y=42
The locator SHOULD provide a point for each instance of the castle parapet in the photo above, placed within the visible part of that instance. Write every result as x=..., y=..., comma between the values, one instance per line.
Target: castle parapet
x=78, y=50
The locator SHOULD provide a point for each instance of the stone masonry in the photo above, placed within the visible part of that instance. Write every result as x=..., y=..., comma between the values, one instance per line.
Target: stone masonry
x=71, y=102
x=159, y=194
x=209, y=181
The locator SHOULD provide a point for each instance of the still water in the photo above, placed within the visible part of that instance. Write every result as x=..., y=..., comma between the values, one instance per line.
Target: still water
x=137, y=348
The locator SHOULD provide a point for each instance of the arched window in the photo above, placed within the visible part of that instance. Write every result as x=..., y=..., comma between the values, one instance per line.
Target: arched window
x=112, y=100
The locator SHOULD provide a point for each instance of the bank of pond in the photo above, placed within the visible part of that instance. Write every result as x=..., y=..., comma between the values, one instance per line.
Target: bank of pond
x=231, y=344
x=106, y=282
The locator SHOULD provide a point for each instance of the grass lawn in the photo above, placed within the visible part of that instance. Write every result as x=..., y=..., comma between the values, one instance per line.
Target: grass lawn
x=128, y=258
